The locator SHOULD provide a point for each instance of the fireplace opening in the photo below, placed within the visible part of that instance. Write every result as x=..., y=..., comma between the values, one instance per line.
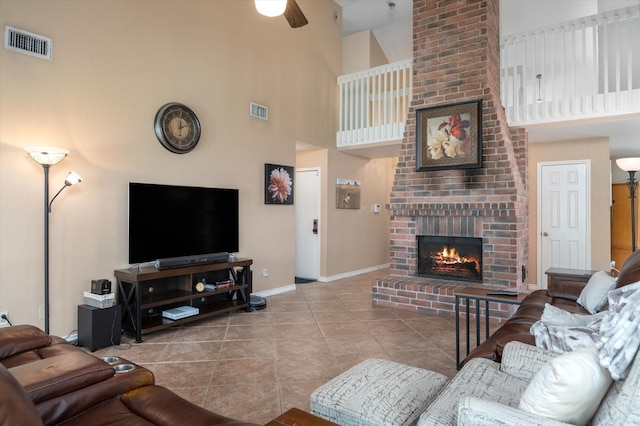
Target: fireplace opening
x=450, y=257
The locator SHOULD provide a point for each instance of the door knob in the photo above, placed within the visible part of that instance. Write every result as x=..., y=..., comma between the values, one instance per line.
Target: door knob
x=546, y=234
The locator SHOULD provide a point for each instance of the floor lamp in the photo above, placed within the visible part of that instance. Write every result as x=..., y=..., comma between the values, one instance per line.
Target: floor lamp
x=631, y=165
x=47, y=157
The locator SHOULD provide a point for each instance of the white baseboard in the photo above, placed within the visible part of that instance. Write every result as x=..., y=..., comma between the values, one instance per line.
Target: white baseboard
x=353, y=273
x=275, y=291
x=292, y=287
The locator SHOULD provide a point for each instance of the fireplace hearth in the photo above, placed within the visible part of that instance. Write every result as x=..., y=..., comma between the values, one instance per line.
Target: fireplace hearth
x=456, y=258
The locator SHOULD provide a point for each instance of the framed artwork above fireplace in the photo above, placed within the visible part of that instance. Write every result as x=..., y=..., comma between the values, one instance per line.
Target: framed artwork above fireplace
x=449, y=136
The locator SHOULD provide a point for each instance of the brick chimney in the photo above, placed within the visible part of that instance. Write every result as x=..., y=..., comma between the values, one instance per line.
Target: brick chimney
x=456, y=58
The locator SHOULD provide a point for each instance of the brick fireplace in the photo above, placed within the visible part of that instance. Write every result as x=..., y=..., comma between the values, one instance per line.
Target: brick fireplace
x=456, y=59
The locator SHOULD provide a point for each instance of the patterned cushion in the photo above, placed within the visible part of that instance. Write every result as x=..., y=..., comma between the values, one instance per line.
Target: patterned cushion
x=377, y=392
x=621, y=404
x=481, y=378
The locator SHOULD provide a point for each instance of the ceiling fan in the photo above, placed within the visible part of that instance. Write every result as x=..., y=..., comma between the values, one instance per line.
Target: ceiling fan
x=288, y=8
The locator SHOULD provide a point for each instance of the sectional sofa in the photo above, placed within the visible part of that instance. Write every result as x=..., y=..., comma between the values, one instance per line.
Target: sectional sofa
x=47, y=381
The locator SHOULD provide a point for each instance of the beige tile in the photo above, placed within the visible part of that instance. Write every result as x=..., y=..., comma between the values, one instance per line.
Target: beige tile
x=258, y=348
x=293, y=317
x=305, y=330
x=301, y=369
x=191, y=351
x=249, y=318
x=352, y=344
x=258, y=404
x=403, y=342
x=289, y=307
x=253, y=366
x=246, y=332
x=387, y=326
x=259, y=372
x=200, y=334
x=183, y=374
x=332, y=329
x=297, y=394
x=140, y=352
x=289, y=346
x=334, y=316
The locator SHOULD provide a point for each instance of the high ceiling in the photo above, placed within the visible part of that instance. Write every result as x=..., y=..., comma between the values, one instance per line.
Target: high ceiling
x=393, y=28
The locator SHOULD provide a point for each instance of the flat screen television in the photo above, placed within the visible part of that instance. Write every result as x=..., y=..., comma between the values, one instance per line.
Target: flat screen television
x=167, y=221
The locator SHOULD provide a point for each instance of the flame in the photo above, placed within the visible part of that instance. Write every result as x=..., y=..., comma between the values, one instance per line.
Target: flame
x=450, y=256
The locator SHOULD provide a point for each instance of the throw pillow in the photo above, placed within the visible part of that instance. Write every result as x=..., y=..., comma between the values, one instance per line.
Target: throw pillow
x=568, y=388
x=594, y=295
x=556, y=316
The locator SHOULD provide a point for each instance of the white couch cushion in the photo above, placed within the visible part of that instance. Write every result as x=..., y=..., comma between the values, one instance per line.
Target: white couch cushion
x=569, y=388
x=594, y=295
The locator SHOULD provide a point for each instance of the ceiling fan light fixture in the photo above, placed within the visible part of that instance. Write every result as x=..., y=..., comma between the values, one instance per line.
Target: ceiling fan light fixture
x=271, y=8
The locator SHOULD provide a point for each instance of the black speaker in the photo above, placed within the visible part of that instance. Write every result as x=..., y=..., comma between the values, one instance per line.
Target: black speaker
x=100, y=286
x=97, y=327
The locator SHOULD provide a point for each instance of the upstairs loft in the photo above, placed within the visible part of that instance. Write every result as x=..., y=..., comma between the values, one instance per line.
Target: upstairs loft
x=579, y=70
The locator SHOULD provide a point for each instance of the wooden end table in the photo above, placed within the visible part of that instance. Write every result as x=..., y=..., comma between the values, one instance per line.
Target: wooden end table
x=297, y=417
x=479, y=294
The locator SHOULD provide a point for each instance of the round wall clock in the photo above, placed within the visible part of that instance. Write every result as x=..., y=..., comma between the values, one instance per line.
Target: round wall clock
x=177, y=127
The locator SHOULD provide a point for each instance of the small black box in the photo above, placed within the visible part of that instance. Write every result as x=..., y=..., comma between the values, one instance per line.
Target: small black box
x=100, y=286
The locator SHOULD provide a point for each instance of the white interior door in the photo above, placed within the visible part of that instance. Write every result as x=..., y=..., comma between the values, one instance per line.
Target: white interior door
x=307, y=196
x=563, y=216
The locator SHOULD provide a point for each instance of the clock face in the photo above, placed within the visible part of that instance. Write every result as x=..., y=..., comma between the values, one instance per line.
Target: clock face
x=177, y=127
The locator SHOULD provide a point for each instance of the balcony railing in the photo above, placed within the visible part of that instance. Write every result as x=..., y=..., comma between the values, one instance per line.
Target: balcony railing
x=579, y=69
x=374, y=105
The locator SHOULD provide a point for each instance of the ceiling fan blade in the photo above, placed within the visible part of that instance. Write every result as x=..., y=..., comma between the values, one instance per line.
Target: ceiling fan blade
x=294, y=15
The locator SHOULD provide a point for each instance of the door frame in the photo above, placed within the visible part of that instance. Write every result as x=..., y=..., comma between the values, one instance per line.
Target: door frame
x=318, y=170
x=540, y=165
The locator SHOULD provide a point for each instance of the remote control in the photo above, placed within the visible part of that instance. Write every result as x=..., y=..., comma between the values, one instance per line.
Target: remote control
x=502, y=293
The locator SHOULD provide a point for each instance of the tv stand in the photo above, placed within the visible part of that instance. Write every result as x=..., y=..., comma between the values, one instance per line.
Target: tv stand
x=146, y=291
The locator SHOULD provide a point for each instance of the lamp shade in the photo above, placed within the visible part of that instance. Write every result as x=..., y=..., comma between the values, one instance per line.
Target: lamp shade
x=72, y=179
x=46, y=155
x=631, y=164
x=271, y=8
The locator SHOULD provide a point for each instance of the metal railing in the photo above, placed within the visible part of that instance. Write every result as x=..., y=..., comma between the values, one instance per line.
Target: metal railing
x=584, y=68
x=374, y=104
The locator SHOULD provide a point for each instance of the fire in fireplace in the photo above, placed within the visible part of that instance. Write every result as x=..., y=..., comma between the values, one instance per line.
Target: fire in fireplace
x=457, y=258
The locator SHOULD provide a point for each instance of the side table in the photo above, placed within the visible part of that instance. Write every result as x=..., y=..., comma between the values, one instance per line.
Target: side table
x=297, y=417
x=479, y=294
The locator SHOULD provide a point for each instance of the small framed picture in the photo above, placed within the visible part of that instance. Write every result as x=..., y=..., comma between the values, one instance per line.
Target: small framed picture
x=278, y=184
x=449, y=137
x=348, y=194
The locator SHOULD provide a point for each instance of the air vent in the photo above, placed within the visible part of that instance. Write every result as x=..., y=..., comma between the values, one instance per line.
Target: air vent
x=259, y=111
x=28, y=43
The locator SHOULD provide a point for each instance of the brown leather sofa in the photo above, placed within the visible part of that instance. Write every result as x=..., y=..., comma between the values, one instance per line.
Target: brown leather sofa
x=562, y=294
x=47, y=381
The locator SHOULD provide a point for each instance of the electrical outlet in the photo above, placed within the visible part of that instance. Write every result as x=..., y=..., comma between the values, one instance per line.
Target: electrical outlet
x=613, y=264
x=265, y=272
x=41, y=312
x=4, y=322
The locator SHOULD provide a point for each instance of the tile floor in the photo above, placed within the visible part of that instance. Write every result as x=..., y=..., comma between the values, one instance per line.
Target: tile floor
x=254, y=366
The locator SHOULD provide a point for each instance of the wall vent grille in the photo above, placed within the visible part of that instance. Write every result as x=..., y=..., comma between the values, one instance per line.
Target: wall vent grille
x=259, y=111
x=28, y=43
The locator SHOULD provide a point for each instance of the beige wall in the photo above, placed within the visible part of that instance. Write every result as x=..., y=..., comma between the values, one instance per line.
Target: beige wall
x=361, y=51
x=114, y=64
x=355, y=234
x=597, y=151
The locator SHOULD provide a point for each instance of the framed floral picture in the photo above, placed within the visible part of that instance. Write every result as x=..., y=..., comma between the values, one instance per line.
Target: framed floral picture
x=278, y=184
x=449, y=137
